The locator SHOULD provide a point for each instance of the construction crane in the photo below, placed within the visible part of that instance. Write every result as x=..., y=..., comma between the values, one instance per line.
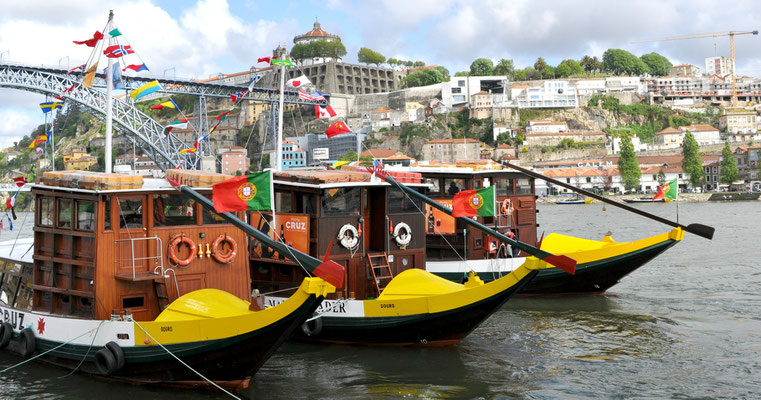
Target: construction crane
x=731, y=35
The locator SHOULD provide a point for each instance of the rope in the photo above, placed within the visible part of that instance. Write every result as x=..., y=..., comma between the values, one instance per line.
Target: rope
x=319, y=315
x=276, y=235
x=46, y=352
x=185, y=364
x=86, y=354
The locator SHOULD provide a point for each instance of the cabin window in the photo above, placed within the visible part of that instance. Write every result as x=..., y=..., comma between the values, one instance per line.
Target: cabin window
x=65, y=209
x=130, y=213
x=524, y=186
x=340, y=202
x=435, y=185
x=10, y=286
x=46, y=211
x=85, y=215
x=133, y=302
x=454, y=186
x=173, y=210
x=400, y=202
x=210, y=217
x=283, y=202
x=305, y=204
x=107, y=213
x=503, y=186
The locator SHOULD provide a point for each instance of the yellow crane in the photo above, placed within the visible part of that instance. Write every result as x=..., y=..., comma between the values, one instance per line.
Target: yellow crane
x=731, y=35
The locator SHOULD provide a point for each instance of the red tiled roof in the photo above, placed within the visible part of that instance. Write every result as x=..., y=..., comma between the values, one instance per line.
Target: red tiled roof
x=565, y=134
x=378, y=153
x=505, y=146
x=699, y=128
x=382, y=110
x=467, y=140
x=669, y=131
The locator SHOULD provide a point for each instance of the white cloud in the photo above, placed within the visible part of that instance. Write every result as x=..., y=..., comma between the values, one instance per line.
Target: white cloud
x=15, y=123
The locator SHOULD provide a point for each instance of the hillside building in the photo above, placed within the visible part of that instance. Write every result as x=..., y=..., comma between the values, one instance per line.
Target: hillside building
x=721, y=66
x=451, y=150
x=684, y=70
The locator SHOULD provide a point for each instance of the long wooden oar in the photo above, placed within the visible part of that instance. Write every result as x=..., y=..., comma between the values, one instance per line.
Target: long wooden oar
x=563, y=262
x=697, y=229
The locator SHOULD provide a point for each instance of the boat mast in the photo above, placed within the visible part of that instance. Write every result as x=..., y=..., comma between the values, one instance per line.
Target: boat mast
x=279, y=143
x=109, y=98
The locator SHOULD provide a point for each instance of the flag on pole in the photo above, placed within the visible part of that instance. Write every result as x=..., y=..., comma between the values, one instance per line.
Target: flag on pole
x=474, y=203
x=69, y=89
x=298, y=82
x=77, y=68
x=336, y=129
x=39, y=139
x=237, y=96
x=183, y=151
x=248, y=192
x=136, y=68
x=282, y=62
x=50, y=132
x=166, y=104
x=91, y=42
x=223, y=116
x=213, y=128
x=181, y=124
x=145, y=90
x=256, y=78
x=33, y=172
x=118, y=50
x=20, y=181
x=89, y=75
x=50, y=106
x=264, y=59
x=667, y=190
x=324, y=112
x=199, y=140
x=317, y=96
x=115, y=33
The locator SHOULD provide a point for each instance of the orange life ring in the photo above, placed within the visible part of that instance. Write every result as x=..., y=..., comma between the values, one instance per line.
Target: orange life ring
x=228, y=258
x=507, y=207
x=174, y=244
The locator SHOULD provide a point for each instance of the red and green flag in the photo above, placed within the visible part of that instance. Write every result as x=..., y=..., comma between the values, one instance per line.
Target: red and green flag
x=474, y=203
x=248, y=192
x=667, y=191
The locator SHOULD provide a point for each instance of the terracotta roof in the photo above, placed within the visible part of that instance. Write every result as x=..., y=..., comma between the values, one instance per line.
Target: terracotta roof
x=565, y=134
x=378, y=153
x=520, y=87
x=532, y=123
x=699, y=128
x=481, y=92
x=399, y=157
x=669, y=131
x=467, y=140
x=382, y=110
x=505, y=146
x=317, y=32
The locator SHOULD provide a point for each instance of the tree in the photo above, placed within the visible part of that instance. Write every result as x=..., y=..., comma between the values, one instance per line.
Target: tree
x=658, y=64
x=562, y=71
x=462, y=73
x=367, y=56
x=628, y=166
x=548, y=72
x=419, y=64
x=661, y=177
x=393, y=62
x=504, y=67
x=587, y=63
x=318, y=48
x=574, y=66
x=481, y=67
x=540, y=64
x=621, y=62
x=425, y=77
x=692, y=163
x=728, y=167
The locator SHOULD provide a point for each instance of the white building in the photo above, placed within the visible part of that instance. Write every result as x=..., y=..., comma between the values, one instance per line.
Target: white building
x=684, y=70
x=458, y=91
x=614, y=146
x=552, y=94
x=545, y=126
x=720, y=65
x=316, y=34
x=737, y=122
x=704, y=134
x=590, y=86
x=625, y=84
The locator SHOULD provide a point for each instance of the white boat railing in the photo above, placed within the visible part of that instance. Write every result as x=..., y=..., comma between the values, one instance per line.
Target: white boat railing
x=158, y=259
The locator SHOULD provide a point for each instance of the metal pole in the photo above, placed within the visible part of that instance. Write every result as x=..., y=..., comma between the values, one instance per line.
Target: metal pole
x=279, y=143
x=109, y=102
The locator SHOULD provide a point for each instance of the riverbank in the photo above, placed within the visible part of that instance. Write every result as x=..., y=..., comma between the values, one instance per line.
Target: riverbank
x=683, y=198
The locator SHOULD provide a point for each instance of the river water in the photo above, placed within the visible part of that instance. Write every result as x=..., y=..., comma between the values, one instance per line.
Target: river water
x=687, y=325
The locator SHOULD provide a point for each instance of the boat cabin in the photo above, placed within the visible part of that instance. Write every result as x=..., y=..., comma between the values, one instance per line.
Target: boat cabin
x=108, y=244
x=449, y=239
x=358, y=219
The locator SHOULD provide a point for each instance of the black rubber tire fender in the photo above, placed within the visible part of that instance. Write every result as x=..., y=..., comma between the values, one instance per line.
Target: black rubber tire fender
x=105, y=362
x=313, y=327
x=6, y=333
x=118, y=354
x=27, y=343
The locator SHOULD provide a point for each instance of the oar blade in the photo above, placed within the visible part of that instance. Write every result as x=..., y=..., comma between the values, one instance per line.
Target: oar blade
x=332, y=272
x=565, y=263
x=701, y=230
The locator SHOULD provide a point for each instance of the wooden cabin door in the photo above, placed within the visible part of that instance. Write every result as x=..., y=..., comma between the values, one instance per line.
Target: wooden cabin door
x=131, y=248
x=376, y=222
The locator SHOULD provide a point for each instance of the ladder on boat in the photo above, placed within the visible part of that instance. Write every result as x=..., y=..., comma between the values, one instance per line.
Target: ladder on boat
x=162, y=294
x=381, y=270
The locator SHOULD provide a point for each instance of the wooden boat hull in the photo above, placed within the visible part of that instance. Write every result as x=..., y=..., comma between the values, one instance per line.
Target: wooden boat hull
x=388, y=322
x=597, y=269
x=215, y=353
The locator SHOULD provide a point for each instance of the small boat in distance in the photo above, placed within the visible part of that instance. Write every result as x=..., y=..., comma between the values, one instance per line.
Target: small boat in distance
x=646, y=200
x=573, y=200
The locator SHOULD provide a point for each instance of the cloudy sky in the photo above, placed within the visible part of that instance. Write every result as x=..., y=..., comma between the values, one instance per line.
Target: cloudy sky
x=197, y=38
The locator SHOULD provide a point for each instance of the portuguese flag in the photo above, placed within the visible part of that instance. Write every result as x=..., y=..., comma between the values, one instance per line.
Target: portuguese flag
x=474, y=203
x=667, y=191
x=248, y=192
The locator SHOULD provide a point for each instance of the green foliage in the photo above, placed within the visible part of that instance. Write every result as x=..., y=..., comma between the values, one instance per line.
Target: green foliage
x=621, y=62
x=540, y=64
x=658, y=64
x=417, y=64
x=562, y=71
x=574, y=65
x=481, y=67
x=318, y=48
x=504, y=67
x=548, y=72
x=628, y=166
x=591, y=64
x=462, y=73
x=728, y=166
x=367, y=56
x=424, y=77
x=692, y=163
x=661, y=177
x=409, y=132
x=351, y=155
